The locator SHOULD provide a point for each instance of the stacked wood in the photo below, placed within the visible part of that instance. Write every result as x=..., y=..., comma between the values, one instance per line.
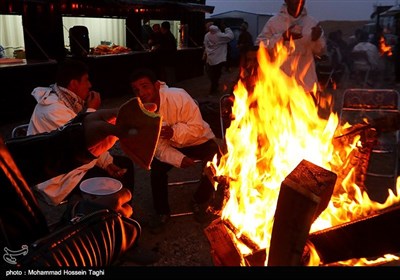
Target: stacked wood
x=304, y=194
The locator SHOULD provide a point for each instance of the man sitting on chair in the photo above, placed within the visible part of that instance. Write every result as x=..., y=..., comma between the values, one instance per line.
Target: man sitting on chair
x=184, y=138
x=372, y=55
x=58, y=104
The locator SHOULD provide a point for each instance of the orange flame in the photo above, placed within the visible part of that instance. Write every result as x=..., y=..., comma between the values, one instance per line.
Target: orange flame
x=384, y=49
x=275, y=127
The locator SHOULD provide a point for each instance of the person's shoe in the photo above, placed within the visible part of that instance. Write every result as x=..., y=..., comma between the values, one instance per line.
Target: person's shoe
x=158, y=223
x=141, y=256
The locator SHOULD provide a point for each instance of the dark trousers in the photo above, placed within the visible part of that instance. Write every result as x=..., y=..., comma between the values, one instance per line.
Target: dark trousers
x=159, y=177
x=214, y=74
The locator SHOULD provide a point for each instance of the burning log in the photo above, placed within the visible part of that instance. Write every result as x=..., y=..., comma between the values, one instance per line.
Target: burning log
x=370, y=135
x=304, y=194
x=257, y=258
x=221, y=194
x=359, y=157
x=388, y=123
x=221, y=235
x=242, y=237
x=370, y=237
x=224, y=251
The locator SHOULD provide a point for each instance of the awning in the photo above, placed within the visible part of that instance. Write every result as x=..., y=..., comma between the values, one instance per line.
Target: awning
x=192, y=7
x=392, y=11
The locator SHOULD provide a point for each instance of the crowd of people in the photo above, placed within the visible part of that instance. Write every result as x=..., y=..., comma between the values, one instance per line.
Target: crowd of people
x=314, y=51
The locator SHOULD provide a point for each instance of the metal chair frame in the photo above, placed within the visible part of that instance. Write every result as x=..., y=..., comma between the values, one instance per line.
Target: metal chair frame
x=372, y=103
x=19, y=130
x=328, y=67
x=225, y=112
x=184, y=182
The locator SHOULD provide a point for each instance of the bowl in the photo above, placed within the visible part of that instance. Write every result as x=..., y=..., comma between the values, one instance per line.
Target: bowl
x=100, y=186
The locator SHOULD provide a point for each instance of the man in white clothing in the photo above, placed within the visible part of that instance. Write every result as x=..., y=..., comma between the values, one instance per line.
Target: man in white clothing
x=373, y=60
x=58, y=104
x=371, y=50
x=293, y=24
x=184, y=138
x=216, y=48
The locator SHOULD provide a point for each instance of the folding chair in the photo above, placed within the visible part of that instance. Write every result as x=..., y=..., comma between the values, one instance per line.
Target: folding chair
x=184, y=182
x=189, y=181
x=373, y=104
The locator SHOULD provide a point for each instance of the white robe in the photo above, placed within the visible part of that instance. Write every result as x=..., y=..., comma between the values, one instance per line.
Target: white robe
x=304, y=50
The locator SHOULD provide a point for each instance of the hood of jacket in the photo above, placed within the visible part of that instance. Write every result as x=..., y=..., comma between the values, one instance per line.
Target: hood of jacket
x=213, y=29
x=285, y=13
x=44, y=95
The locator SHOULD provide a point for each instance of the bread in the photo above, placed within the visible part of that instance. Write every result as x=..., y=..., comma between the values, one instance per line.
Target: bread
x=141, y=146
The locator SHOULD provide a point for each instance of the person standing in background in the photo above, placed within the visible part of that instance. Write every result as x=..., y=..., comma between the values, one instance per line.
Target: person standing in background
x=244, y=43
x=374, y=59
x=206, y=27
x=216, y=48
x=146, y=33
x=167, y=54
x=293, y=23
x=168, y=40
x=154, y=40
